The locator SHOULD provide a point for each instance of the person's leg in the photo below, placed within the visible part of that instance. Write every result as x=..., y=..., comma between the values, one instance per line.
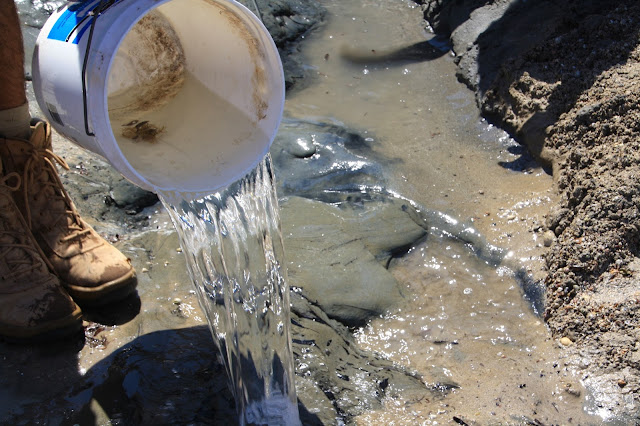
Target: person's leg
x=12, y=92
x=91, y=270
x=14, y=110
x=33, y=304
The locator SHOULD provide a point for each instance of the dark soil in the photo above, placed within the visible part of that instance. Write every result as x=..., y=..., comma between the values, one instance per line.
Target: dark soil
x=288, y=21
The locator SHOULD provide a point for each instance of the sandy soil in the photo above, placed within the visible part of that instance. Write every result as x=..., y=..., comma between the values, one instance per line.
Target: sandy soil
x=566, y=86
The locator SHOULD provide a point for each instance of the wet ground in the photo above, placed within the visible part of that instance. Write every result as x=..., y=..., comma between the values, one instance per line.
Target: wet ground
x=380, y=76
x=463, y=322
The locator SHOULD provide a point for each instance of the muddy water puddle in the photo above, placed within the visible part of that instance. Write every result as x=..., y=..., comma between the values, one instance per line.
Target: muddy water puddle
x=466, y=323
x=466, y=326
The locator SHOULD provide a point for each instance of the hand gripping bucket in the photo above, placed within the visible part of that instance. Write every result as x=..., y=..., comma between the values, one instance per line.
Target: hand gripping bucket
x=178, y=95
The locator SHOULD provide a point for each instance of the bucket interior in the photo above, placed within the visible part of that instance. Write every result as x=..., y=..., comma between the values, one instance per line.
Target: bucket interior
x=194, y=94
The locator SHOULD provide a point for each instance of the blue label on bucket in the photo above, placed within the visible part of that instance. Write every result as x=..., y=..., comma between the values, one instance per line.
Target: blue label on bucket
x=75, y=20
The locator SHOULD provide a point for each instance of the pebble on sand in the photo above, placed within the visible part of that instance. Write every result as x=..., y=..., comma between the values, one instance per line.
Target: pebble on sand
x=566, y=341
x=548, y=238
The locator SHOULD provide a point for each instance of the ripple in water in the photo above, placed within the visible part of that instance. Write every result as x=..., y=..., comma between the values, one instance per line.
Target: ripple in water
x=234, y=254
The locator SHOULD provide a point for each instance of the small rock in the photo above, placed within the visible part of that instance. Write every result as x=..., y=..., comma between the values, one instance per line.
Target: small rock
x=302, y=148
x=565, y=341
x=179, y=249
x=177, y=301
x=128, y=196
x=548, y=238
x=572, y=391
x=622, y=383
x=145, y=270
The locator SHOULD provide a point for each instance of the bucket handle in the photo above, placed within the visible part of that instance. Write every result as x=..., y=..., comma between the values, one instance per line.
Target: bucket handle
x=95, y=13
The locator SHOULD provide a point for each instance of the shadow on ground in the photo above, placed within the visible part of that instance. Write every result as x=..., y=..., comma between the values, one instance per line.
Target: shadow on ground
x=164, y=377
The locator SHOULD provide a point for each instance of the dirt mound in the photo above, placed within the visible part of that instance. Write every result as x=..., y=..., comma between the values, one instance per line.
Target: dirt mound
x=564, y=79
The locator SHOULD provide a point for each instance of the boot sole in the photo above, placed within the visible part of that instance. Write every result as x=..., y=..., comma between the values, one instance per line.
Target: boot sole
x=47, y=331
x=104, y=294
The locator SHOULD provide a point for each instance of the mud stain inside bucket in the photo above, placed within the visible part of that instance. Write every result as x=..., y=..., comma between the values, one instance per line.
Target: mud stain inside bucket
x=148, y=70
x=259, y=79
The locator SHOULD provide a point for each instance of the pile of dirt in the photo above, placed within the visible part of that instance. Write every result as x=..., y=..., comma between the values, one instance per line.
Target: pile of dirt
x=564, y=79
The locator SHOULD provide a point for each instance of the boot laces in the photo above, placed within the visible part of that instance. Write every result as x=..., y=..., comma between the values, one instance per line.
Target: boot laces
x=21, y=257
x=47, y=177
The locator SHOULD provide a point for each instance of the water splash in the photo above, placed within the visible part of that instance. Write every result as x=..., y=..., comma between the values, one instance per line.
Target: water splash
x=235, y=257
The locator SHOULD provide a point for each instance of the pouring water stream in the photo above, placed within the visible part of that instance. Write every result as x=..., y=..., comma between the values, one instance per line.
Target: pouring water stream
x=235, y=257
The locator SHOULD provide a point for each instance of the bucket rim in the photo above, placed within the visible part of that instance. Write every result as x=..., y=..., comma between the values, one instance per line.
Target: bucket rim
x=98, y=105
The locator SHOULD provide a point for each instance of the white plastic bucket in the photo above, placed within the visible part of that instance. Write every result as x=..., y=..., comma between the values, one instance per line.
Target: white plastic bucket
x=178, y=95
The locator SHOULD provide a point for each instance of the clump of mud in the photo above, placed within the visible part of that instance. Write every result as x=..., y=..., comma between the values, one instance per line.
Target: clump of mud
x=141, y=131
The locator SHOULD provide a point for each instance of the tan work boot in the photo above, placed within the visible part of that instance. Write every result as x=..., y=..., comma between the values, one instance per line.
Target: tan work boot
x=33, y=304
x=92, y=270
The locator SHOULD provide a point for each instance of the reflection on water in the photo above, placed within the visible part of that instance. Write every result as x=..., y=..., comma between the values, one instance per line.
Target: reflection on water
x=373, y=70
x=466, y=322
x=233, y=248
